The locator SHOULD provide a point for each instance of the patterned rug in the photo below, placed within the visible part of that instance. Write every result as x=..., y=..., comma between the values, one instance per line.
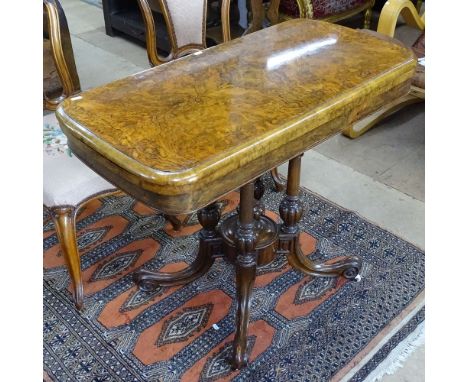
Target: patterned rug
x=301, y=328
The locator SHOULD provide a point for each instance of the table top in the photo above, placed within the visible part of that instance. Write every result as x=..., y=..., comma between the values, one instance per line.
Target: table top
x=180, y=135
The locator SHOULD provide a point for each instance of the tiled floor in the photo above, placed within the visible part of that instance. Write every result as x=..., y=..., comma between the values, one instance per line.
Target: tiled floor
x=380, y=175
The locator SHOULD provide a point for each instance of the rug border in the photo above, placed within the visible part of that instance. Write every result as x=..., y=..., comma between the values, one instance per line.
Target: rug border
x=415, y=331
x=370, y=350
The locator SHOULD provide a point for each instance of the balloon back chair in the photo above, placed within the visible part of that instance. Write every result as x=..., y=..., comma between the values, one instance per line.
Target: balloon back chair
x=67, y=182
x=185, y=23
x=59, y=69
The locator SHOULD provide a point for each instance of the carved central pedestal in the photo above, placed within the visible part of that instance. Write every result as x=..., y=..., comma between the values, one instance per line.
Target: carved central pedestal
x=250, y=239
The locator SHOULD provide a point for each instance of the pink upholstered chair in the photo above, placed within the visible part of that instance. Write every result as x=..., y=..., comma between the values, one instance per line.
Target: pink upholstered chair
x=328, y=10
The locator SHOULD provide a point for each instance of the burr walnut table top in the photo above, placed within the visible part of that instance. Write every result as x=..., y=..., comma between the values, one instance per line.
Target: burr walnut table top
x=183, y=134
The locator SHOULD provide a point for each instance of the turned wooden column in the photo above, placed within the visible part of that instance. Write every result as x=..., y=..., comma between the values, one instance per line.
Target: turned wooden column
x=291, y=212
x=290, y=207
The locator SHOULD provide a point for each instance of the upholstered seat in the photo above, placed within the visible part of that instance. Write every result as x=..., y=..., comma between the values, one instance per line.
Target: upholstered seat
x=330, y=10
x=67, y=184
x=66, y=180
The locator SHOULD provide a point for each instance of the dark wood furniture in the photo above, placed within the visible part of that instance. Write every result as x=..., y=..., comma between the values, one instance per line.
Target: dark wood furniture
x=181, y=135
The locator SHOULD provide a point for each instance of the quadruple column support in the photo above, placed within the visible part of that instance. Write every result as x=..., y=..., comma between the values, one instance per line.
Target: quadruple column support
x=250, y=239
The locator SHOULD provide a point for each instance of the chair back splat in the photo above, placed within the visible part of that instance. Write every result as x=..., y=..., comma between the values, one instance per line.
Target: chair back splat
x=186, y=26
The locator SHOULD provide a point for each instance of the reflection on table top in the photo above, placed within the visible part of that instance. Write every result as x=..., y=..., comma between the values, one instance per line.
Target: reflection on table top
x=205, y=115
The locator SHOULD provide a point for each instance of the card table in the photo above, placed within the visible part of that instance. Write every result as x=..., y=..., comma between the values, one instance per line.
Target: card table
x=181, y=135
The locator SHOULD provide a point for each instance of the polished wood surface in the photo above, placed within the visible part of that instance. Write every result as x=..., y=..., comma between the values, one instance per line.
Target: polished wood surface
x=392, y=10
x=183, y=134
x=64, y=220
x=60, y=47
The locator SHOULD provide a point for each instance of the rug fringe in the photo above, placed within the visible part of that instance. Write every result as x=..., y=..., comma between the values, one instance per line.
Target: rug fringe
x=397, y=357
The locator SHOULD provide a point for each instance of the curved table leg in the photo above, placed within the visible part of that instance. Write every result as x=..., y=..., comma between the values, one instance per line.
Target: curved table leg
x=246, y=266
x=291, y=212
x=209, y=240
x=348, y=267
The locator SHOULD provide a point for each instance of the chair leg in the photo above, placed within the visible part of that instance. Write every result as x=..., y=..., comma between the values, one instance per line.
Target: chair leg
x=64, y=220
x=280, y=185
x=360, y=127
x=419, y=5
x=273, y=12
x=367, y=18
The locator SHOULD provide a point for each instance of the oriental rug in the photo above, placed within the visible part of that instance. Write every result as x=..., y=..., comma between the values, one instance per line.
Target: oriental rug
x=301, y=328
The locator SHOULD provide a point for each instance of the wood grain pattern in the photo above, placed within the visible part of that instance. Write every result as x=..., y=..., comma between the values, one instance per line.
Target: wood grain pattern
x=183, y=134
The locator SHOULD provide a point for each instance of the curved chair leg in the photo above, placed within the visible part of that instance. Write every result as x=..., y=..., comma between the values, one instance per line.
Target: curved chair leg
x=258, y=14
x=419, y=5
x=360, y=127
x=246, y=266
x=209, y=242
x=64, y=220
x=176, y=223
x=367, y=18
x=280, y=185
x=273, y=12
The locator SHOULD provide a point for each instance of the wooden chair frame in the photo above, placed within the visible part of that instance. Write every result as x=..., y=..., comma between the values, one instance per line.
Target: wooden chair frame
x=62, y=51
x=306, y=11
x=387, y=25
x=64, y=218
x=176, y=51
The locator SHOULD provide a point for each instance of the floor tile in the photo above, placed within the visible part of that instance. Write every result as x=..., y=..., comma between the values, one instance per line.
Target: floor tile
x=82, y=17
x=120, y=46
x=391, y=209
x=413, y=370
x=386, y=151
x=97, y=67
